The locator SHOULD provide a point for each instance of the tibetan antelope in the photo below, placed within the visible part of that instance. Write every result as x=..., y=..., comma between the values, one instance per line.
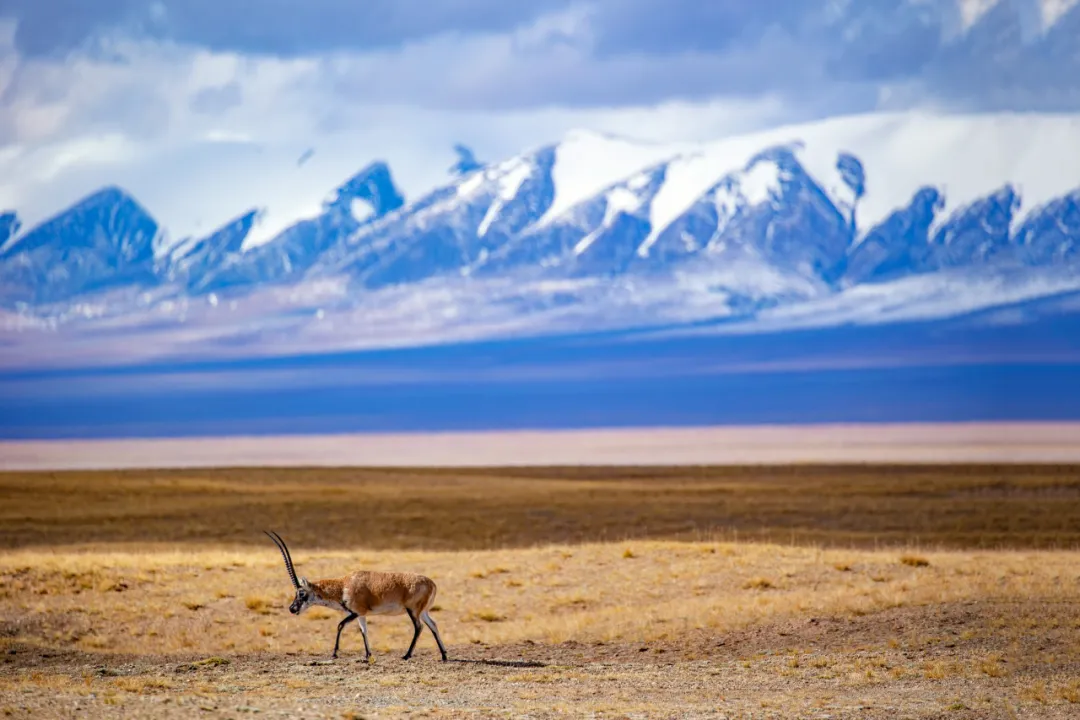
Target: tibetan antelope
x=364, y=593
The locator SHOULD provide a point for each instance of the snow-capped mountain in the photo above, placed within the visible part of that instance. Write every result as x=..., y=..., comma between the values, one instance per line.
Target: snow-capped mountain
x=105, y=241
x=368, y=195
x=587, y=233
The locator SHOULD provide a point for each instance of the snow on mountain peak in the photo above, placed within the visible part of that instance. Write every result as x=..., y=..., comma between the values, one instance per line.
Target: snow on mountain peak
x=620, y=199
x=761, y=181
x=369, y=193
x=272, y=221
x=966, y=156
x=690, y=176
x=586, y=163
x=511, y=176
x=628, y=231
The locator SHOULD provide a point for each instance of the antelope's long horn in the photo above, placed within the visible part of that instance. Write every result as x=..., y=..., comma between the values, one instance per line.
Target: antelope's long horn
x=285, y=554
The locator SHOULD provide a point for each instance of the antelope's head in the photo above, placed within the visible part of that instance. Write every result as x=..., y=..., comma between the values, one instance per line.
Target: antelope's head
x=305, y=594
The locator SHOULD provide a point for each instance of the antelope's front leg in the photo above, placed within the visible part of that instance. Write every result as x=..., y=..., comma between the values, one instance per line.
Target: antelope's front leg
x=340, y=627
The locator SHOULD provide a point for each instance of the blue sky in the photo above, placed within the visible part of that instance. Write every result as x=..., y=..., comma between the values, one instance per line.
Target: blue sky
x=147, y=93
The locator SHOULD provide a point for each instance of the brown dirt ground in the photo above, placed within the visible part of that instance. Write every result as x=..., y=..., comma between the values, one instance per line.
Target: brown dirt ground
x=901, y=663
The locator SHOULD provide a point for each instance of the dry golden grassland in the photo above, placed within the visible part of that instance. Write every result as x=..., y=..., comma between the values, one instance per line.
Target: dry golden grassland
x=698, y=592
x=959, y=507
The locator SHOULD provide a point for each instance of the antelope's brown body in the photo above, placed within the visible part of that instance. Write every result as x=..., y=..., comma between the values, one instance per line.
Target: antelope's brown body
x=368, y=592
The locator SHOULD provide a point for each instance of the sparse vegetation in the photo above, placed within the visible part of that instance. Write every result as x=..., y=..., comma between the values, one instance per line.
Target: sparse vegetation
x=257, y=604
x=817, y=609
x=987, y=507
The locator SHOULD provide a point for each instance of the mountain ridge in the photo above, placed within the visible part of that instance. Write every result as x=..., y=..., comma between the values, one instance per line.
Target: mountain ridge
x=594, y=226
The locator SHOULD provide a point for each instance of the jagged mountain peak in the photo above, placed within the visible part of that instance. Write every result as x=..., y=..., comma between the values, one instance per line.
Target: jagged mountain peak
x=108, y=217
x=103, y=241
x=587, y=162
x=366, y=197
x=1051, y=233
x=374, y=186
x=466, y=162
x=99, y=206
x=609, y=227
x=191, y=262
x=9, y=228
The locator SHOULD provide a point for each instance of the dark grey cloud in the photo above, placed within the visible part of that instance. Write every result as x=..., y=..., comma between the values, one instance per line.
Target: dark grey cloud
x=633, y=52
x=997, y=67
x=820, y=46
x=865, y=39
x=672, y=27
x=881, y=41
x=275, y=27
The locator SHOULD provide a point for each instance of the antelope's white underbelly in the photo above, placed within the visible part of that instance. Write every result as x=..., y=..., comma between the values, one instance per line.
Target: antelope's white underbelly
x=391, y=608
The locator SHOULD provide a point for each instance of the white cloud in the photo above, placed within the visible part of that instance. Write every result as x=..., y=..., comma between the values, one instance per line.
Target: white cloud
x=1053, y=10
x=74, y=124
x=200, y=136
x=81, y=152
x=972, y=10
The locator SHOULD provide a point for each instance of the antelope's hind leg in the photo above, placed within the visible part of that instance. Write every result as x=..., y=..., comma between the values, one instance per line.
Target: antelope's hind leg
x=430, y=622
x=417, y=627
x=362, y=622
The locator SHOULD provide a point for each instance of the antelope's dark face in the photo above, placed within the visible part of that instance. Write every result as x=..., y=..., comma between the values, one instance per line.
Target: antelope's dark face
x=305, y=594
x=305, y=597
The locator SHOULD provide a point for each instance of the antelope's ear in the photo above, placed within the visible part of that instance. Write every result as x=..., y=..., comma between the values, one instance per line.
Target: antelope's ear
x=304, y=583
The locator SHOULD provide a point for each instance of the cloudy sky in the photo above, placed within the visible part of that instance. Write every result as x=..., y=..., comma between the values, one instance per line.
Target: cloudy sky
x=214, y=100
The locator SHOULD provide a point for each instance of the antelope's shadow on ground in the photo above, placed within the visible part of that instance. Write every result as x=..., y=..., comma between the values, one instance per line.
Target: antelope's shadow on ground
x=500, y=663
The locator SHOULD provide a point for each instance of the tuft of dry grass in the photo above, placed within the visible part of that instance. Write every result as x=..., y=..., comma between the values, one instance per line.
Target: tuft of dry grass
x=1070, y=692
x=992, y=666
x=914, y=561
x=1037, y=692
x=258, y=604
x=141, y=684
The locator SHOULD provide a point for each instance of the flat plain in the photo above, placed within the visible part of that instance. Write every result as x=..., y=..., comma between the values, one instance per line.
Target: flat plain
x=810, y=591
x=908, y=443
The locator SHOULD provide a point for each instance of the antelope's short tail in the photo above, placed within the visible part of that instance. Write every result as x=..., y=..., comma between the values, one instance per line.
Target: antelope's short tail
x=430, y=602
